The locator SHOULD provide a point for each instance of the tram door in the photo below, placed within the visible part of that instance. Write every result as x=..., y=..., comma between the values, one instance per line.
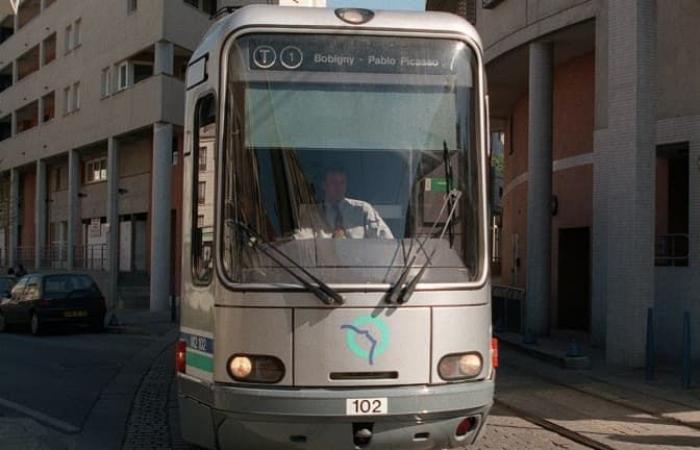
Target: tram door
x=574, y=286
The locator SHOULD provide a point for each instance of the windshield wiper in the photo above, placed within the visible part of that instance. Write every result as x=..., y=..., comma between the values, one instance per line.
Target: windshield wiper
x=399, y=294
x=324, y=292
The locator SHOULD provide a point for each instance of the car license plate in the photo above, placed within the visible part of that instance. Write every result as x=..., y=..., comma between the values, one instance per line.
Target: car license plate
x=75, y=314
x=366, y=406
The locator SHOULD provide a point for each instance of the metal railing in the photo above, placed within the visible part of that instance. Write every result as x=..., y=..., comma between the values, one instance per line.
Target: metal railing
x=91, y=257
x=54, y=257
x=671, y=250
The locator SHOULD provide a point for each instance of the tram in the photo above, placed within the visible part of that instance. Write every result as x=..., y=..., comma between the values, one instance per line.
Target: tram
x=336, y=289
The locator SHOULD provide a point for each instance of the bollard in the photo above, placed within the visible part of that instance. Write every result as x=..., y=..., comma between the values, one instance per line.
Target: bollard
x=651, y=347
x=685, y=349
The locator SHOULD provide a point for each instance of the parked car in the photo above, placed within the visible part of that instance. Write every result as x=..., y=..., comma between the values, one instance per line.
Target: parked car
x=42, y=300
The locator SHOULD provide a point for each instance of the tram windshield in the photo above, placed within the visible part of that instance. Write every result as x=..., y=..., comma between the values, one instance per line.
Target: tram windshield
x=340, y=152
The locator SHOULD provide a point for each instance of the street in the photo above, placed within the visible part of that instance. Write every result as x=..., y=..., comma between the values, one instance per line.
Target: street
x=77, y=390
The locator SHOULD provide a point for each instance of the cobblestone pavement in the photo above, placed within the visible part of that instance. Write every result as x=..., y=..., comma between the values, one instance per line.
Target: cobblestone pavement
x=148, y=427
x=506, y=431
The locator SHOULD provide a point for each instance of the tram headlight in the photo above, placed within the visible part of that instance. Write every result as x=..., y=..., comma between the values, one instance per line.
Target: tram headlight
x=460, y=366
x=255, y=368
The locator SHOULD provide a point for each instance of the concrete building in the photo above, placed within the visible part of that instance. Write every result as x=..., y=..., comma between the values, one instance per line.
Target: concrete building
x=91, y=88
x=599, y=105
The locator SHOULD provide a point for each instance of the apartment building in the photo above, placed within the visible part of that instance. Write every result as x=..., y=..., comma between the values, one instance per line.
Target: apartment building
x=91, y=138
x=598, y=103
x=90, y=89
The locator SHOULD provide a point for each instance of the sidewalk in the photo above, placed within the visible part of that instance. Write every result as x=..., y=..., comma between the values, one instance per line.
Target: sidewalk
x=662, y=398
x=139, y=322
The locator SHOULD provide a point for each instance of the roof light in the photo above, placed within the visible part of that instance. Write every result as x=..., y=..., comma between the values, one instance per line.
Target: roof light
x=354, y=16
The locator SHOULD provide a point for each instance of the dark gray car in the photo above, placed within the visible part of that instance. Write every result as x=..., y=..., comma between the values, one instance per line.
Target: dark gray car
x=42, y=300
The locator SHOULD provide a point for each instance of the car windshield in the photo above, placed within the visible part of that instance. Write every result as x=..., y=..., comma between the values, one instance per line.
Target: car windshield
x=340, y=151
x=56, y=286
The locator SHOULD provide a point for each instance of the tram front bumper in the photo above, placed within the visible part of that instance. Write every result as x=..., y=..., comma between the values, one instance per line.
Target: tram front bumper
x=419, y=417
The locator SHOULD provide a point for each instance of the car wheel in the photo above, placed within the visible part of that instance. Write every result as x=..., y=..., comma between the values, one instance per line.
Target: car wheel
x=35, y=325
x=3, y=324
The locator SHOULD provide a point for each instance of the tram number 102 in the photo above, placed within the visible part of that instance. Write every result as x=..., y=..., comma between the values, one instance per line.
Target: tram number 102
x=366, y=406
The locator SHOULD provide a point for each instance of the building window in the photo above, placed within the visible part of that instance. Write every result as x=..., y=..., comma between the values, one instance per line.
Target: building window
x=131, y=6
x=67, y=38
x=76, y=97
x=105, y=82
x=49, y=49
x=202, y=192
x=76, y=34
x=96, y=170
x=66, y=101
x=202, y=159
x=200, y=221
x=48, y=107
x=124, y=79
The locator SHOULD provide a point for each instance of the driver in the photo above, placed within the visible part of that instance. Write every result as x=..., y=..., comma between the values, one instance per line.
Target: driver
x=346, y=217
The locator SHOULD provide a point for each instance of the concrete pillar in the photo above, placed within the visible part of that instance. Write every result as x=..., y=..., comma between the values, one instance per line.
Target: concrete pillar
x=160, y=216
x=40, y=214
x=164, y=58
x=14, y=216
x=113, y=218
x=73, y=206
x=539, y=193
x=629, y=147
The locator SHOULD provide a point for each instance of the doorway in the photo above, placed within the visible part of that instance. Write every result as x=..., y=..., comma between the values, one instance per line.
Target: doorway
x=574, y=280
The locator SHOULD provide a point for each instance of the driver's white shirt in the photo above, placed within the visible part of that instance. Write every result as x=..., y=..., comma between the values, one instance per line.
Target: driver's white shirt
x=360, y=219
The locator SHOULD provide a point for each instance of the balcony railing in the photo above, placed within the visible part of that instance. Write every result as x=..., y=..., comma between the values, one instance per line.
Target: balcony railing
x=672, y=250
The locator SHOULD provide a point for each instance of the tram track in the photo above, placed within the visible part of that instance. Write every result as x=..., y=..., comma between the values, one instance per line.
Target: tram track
x=613, y=410
x=553, y=427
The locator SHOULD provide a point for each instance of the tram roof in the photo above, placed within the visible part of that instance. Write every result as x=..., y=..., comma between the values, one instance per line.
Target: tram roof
x=280, y=16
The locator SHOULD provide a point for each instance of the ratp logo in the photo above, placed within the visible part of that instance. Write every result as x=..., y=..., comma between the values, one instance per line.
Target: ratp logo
x=367, y=337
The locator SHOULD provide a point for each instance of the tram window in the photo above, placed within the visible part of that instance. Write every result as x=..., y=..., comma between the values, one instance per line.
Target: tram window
x=203, y=179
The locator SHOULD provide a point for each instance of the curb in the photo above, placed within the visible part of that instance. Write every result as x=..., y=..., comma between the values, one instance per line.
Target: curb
x=105, y=426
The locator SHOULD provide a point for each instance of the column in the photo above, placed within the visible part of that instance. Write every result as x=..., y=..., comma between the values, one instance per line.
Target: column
x=14, y=216
x=629, y=150
x=539, y=192
x=73, y=206
x=40, y=214
x=164, y=58
x=160, y=216
x=113, y=218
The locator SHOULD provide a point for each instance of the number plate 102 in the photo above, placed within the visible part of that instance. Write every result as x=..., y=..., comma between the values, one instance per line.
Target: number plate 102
x=366, y=406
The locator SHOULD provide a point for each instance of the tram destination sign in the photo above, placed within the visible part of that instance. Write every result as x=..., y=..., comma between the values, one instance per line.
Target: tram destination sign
x=329, y=53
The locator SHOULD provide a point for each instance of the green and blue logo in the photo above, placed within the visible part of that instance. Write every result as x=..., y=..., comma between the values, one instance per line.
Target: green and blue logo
x=372, y=334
